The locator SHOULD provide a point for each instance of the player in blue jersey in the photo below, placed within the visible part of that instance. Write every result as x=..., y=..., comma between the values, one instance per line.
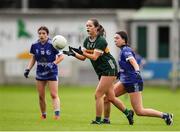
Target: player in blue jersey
x=47, y=58
x=130, y=80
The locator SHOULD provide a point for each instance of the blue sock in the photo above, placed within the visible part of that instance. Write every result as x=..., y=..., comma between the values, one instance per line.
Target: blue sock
x=57, y=113
x=164, y=115
x=106, y=119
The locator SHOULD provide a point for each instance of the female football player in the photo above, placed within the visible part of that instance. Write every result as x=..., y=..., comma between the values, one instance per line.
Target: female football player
x=95, y=48
x=47, y=58
x=130, y=80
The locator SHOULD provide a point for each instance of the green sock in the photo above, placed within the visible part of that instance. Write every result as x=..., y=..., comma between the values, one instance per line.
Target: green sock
x=126, y=112
x=98, y=119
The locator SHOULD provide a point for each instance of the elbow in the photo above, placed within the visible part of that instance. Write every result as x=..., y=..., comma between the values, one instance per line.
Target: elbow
x=82, y=59
x=62, y=57
x=94, y=58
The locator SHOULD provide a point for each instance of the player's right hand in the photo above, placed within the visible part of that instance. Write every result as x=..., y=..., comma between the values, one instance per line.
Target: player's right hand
x=26, y=73
x=138, y=75
x=78, y=50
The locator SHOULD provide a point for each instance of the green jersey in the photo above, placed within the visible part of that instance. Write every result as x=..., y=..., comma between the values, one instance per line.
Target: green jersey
x=105, y=64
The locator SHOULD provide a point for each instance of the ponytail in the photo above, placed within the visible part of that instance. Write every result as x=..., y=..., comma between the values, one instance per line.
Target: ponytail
x=100, y=29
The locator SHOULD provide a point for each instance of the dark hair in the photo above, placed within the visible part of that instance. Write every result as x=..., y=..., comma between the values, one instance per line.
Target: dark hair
x=43, y=28
x=100, y=29
x=123, y=35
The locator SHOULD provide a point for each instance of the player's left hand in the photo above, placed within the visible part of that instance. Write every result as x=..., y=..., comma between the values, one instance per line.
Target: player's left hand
x=78, y=50
x=50, y=66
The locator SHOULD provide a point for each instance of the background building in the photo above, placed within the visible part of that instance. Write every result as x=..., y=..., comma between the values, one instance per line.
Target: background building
x=148, y=23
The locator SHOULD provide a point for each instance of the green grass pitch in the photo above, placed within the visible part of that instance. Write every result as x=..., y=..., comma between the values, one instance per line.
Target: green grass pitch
x=19, y=110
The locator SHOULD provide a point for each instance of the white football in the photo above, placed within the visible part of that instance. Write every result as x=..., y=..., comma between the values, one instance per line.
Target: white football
x=59, y=42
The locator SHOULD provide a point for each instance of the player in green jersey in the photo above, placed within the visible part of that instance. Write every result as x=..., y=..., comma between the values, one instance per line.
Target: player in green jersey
x=95, y=48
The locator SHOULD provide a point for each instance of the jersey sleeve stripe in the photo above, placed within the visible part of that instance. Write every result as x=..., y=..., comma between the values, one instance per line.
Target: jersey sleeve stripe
x=98, y=50
x=130, y=57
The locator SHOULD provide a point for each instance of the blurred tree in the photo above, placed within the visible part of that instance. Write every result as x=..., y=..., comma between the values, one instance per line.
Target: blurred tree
x=22, y=32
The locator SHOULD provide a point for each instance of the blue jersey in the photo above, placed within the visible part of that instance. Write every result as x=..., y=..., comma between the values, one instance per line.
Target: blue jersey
x=44, y=54
x=127, y=71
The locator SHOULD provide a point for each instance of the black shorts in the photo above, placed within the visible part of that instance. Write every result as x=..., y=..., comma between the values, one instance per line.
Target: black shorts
x=136, y=87
x=112, y=72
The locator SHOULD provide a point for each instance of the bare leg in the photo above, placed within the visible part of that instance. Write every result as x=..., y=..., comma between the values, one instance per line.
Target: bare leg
x=136, y=102
x=118, y=91
x=41, y=91
x=115, y=101
x=103, y=87
x=53, y=86
x=107, y=108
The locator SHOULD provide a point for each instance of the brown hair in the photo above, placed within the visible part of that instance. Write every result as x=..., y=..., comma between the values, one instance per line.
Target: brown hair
x=44, y=28
x=100, y=29
x=123, y=35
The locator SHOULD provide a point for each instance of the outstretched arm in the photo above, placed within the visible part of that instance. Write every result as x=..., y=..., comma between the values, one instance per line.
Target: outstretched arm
x=93, y=56
x=80, y=57
x=84, y=54
x=77, y=53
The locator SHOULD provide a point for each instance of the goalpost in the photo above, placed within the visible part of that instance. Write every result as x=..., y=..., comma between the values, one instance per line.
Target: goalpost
x=175, y=46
